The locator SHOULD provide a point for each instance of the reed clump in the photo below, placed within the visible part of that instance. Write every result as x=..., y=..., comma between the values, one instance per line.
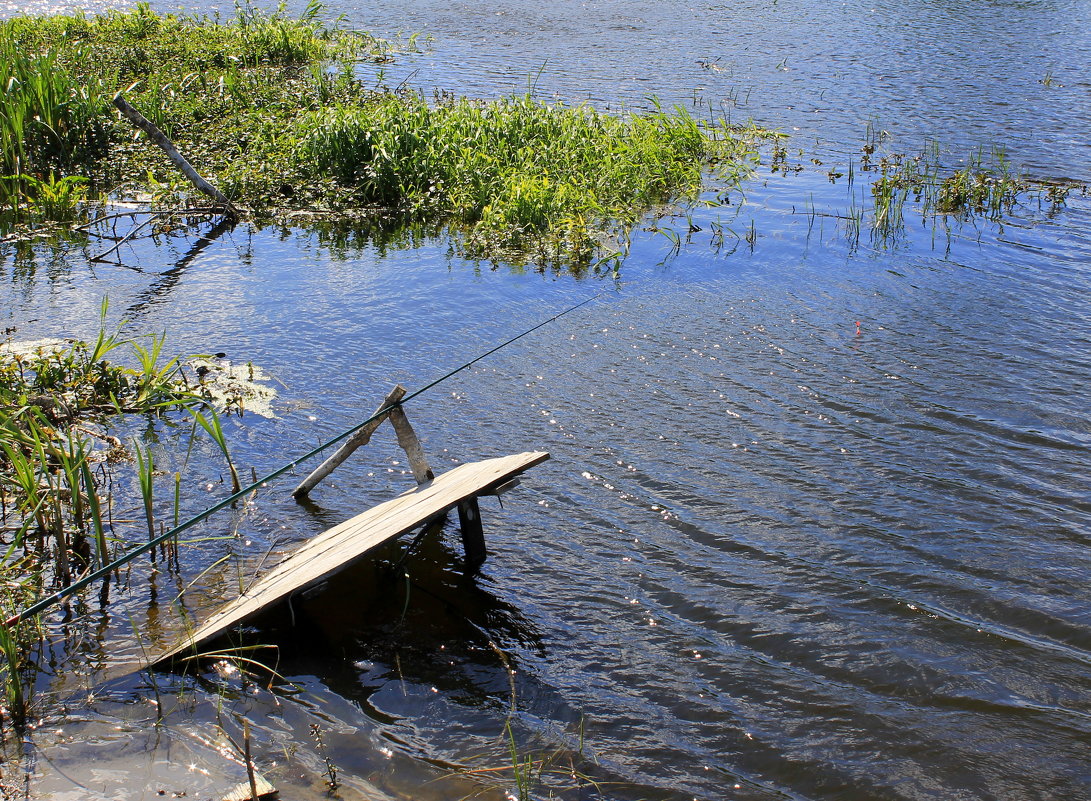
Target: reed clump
x=58, y=464
x=515, y=175
x=983, y=187
x=273, y=110
x=58, y=75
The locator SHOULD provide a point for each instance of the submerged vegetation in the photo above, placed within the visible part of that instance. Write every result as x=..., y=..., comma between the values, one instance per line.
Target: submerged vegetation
x=980, y=188
x=887, y=189
x=272, y=110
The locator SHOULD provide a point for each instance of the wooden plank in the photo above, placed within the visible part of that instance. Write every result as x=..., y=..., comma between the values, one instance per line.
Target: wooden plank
x=341, y=545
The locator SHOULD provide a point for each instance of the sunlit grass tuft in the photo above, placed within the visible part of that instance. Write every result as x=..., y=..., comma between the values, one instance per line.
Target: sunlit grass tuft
x=515, y=175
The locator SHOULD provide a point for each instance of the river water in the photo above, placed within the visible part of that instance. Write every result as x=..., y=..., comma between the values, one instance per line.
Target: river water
x=817, y=518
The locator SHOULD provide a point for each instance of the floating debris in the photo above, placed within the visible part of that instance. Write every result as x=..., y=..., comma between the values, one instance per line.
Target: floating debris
x=234, y=387
x=35, y=347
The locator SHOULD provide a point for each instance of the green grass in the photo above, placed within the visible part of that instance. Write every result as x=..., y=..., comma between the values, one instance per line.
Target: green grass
x=510, y=177
x=49, y=119
x=59, y=73
x=272, y=111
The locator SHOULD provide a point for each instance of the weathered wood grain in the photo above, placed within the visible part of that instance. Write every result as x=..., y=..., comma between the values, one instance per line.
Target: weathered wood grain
x=342, y=545
x=407, y=439
x=179, y=161
x=357, y=440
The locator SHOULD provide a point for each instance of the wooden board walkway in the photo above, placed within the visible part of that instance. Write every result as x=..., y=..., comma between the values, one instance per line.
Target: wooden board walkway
x=329, y=552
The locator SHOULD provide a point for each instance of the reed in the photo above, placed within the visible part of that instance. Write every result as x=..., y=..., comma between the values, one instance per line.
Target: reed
x=211, y=424
x=145, y=473
x=49, y=117
x=53, y=399
x=15, y=701
x=102, y=552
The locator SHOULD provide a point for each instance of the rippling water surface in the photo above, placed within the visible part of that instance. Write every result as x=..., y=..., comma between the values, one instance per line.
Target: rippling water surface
x=817, y=519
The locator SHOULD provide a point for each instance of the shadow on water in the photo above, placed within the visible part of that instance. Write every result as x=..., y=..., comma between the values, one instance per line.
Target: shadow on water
x=168, y=280
x=410, y=603
x=362, y=676
x=396, y=645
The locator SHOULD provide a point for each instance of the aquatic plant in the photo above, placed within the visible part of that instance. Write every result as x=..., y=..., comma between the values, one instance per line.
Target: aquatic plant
x=55, y=400
x=514, y=178
x=982, y=187
x=49, y=116
x=522, y=767
x=331, y=769
x=14, y=698
x=95, y=511
x=29, y=199
x=145, y=473
x=211, y=424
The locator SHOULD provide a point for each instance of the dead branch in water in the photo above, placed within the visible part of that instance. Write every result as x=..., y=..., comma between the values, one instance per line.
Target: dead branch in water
x=179, y=161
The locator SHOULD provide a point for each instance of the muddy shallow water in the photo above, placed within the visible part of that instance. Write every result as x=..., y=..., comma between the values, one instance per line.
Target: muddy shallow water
x=816, y=523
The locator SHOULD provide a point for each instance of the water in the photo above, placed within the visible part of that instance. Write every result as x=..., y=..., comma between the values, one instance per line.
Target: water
x=816, y=523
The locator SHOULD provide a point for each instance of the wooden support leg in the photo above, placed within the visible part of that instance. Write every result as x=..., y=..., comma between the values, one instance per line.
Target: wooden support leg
x=360, y=438
x=407, y=438
x=473, y=537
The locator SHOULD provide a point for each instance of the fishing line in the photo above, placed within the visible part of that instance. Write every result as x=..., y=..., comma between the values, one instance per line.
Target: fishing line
x=49, y=600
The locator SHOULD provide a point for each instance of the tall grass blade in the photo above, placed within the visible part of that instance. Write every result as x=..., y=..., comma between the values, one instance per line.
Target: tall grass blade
x=211, y=424
x=145, y=471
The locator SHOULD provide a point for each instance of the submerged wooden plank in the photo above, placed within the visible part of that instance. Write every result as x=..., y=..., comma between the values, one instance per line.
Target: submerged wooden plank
x=341, y=545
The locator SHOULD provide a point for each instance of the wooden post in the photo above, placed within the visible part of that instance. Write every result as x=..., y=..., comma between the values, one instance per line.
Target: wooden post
x=358, y=439
x=407, y=439
x=160, y=139
x=473, y=537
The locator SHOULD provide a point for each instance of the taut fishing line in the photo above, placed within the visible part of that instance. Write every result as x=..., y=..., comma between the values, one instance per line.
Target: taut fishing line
x=49, y=600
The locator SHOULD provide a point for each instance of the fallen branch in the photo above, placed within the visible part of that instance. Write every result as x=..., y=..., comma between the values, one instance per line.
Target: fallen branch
x=160, y=139
x=126, y=238
x=182, y=212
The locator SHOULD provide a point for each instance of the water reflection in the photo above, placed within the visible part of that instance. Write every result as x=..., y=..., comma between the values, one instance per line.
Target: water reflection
x=168, y=279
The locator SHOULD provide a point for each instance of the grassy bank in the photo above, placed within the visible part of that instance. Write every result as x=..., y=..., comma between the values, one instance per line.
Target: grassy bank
x=271, y=109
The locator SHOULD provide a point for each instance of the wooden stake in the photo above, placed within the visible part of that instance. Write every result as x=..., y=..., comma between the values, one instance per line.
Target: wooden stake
x=160, y=139
x=251, y=776
x=407, y=439
x=361, y=437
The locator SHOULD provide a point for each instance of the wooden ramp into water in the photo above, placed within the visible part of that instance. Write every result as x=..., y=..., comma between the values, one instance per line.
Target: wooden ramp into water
x=329, y=552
